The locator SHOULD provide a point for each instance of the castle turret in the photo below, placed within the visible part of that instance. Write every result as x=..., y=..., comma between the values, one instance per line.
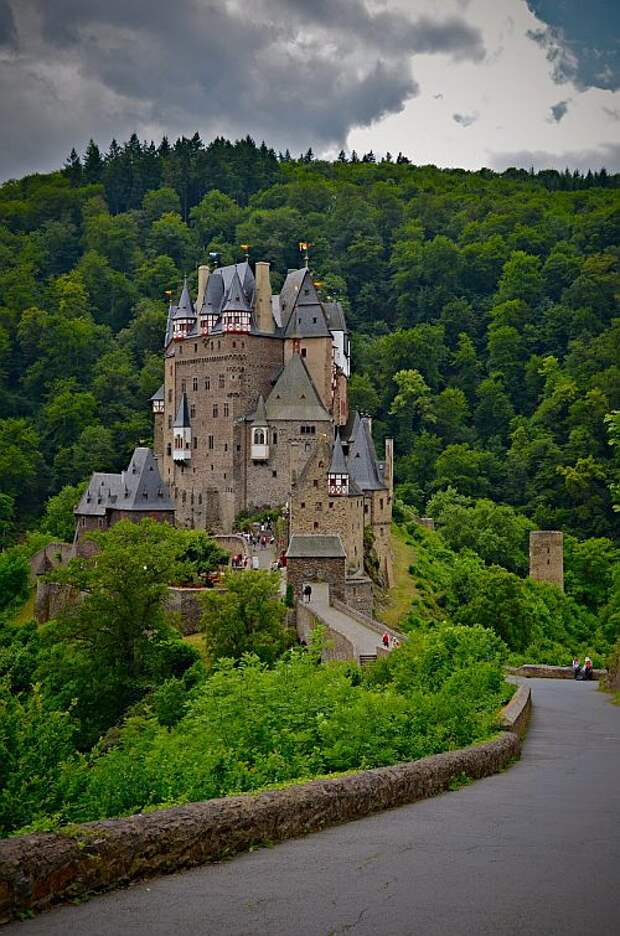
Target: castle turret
x=236, y=312
x=338, y=475
x=263, y=313
x=260, y=433
x=547, y=556
x=184, y=317
x=182, y=450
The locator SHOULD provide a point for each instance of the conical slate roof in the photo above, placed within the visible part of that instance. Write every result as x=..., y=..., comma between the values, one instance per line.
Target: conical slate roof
x=294, y=396
x=236, y=300
x=338, y=464
x=260, y=417
x=182, y=418
x=185, y=308
x=158, y=395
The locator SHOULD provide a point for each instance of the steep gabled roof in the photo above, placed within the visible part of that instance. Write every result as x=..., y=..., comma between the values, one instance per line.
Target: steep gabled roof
x=288, y=293
x=307, y=318
x=362, y=459
x=236, y=300
x=140, y=487
x=335, y=316
x=260, y=417
x=294, y=396
x=182, y=417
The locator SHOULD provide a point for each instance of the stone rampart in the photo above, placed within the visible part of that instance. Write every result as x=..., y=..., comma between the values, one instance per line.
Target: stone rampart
x=44, y=868
x=233, y=543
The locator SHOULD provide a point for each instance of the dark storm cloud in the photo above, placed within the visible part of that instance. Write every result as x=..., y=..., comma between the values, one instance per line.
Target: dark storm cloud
x=607, y=155
x=581, y=44
x=298, y=72
x=558, y=111
x=465, y=120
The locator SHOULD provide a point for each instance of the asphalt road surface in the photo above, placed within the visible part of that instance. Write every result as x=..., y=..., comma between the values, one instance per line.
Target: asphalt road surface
x=534, y=850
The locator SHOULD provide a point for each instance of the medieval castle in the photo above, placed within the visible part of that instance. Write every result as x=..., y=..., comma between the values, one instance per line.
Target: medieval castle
x=253, y=413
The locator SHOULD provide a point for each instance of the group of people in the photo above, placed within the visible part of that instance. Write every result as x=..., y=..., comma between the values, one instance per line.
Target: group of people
x=582, y=672
x=389, y=641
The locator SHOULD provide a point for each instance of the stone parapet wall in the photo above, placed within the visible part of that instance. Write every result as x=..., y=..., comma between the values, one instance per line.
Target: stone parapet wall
x=542, y=671
x=516, y=715
x=44, y=868
x=358, y=594
x=233, y=543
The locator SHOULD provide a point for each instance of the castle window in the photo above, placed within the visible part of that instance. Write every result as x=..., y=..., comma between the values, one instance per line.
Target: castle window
x=169, y=449
x=274, y=474
x=192, y=409
x=316, y=524
x=224, y=476
x=219, y=345
x=275, y=438
x=238, y=448
x=215, y=411
x=259, y=437
x=315, y=483
x=302, y=505
x=169, y=396
x=169, y=422
x=207, y=383
x=314, y=319
x=225, y=409
x=234, y=344
x=200, y=498
x=183, y=386
x=195, y=442
x=194, y=383
x=210, y=443
x=318, y=506
x=195, y=349
x=225, y=446
x=381, y=503
x=221, y=380
x=331, y=505
x=365, y=508
x=212, y=346
x=184, y=496
x=180, y=349
x=303, y=352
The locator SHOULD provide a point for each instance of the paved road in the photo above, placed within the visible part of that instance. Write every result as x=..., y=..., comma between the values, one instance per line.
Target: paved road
x=535, y=850
x=364, y=639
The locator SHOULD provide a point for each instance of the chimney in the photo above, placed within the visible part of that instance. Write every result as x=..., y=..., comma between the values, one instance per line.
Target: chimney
x=263, y=313
x=203, y=276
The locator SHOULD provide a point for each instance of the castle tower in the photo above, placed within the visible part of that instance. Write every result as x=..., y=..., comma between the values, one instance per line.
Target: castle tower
x=182, y=451
x=263, y=314
x=259, y=447
x=184, y=317
x=338, y=476
x=547, y=557
x=158, y=405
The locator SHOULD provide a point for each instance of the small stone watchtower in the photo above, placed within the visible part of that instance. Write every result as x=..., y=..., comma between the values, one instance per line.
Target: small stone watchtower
x=547, y=557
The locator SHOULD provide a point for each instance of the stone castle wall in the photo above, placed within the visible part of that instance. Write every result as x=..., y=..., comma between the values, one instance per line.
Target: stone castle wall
x=331, y=571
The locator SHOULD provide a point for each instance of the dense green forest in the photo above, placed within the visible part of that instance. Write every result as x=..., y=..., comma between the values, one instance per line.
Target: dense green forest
x=482, y=309
x=486, y=341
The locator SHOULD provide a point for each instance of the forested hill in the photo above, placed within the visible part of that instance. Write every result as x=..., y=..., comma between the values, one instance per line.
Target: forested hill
x=482, y=308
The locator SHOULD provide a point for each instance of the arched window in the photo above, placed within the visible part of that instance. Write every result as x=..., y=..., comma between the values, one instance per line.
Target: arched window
x=259, y=437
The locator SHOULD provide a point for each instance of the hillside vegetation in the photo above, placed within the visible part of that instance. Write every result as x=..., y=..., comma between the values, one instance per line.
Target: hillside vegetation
x=482, y=308
x=486, y=341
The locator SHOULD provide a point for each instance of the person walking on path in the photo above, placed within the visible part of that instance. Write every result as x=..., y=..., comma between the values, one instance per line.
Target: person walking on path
x=386, y=640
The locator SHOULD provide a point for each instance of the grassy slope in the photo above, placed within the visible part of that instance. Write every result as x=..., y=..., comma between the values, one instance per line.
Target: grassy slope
x=399, y=598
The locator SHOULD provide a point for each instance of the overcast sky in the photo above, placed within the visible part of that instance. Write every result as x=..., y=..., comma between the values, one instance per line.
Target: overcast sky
x=453, y=82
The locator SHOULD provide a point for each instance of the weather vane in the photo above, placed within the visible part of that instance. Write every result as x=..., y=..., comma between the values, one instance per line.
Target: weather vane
x=304, y=247
x=246, y=249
